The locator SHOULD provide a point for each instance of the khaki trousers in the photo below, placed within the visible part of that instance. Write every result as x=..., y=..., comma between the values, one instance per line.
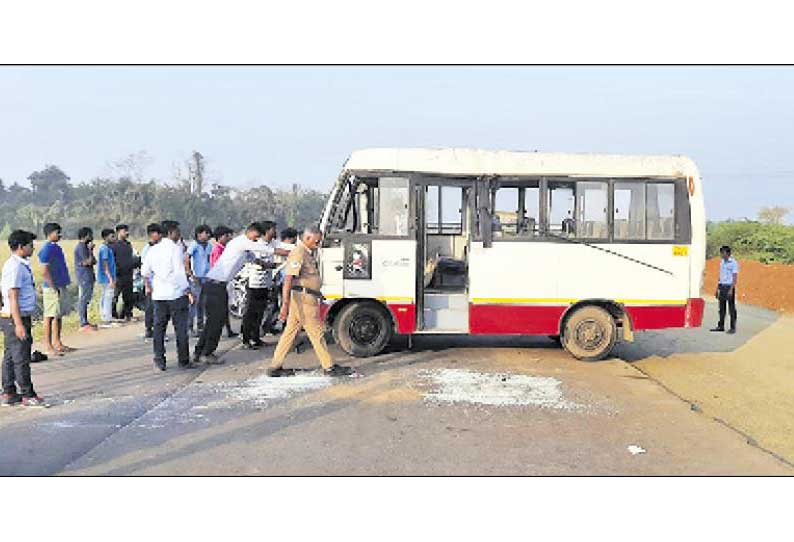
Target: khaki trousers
x=303, y=313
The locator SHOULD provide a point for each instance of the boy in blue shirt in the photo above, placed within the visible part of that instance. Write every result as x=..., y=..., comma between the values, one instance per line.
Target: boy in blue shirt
x=18, y=294
x=197, y=264
x=56, y=279
x=106, y=277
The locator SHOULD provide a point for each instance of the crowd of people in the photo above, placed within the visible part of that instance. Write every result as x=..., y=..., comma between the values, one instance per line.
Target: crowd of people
x=187, y=284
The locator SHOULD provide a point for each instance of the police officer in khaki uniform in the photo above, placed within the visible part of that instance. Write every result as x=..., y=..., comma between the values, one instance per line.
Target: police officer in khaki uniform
x=301, y=307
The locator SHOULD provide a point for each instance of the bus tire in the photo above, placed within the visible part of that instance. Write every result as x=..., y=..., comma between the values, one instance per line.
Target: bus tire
x=363, y=329
x=590, y=333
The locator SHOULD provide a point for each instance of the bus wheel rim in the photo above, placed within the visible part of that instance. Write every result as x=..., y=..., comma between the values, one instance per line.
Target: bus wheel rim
x=364, y=329
x=590, y=335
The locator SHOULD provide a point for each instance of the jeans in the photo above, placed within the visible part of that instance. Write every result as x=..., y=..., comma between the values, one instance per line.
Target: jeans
x=16, y=359
x=86, y=292
x=730, y=301
x=106, y=303
x=123, y=290
x=217, y=311
x=254, y=311
x=176, y=310
x=149, y=316
x=197, y=309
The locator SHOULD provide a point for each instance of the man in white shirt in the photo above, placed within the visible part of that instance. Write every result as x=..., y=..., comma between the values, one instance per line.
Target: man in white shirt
x=260, y=287
x=166, y=281
x=726, y=288
x=239, y=250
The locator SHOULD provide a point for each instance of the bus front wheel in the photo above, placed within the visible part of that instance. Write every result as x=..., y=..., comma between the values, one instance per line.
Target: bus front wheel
x=590, y=333
x=363, y=329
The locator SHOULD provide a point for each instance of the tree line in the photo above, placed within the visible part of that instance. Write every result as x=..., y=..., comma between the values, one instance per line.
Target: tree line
x=127, y=198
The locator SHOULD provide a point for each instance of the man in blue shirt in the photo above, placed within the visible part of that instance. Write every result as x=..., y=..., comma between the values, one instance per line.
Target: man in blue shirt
x=106, y=277
x=56, y=279
x=197, y=264
x=726, y=289
x=18, y=293
x=84, y=263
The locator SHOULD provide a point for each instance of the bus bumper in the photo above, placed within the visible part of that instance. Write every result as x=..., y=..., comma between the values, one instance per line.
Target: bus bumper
x=693, y=317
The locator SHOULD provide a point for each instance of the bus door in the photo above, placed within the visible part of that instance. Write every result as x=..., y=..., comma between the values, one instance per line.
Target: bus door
x=375, y=256
x=443, y=237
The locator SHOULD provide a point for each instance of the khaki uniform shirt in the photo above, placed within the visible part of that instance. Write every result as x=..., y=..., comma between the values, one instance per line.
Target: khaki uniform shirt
x=302, y=265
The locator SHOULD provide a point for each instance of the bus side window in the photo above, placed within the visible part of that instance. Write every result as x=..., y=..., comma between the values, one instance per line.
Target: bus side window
x=660, y=209
x=591, y=209
x=516, y=211
x=561, y=208
x=393, y=212
x=629, y=217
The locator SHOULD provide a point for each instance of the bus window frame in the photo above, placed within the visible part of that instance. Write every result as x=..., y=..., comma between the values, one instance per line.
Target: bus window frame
x=682, y=223
x=337, y=238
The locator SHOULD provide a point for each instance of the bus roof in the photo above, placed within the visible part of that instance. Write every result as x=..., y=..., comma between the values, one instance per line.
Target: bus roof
x=456, y=161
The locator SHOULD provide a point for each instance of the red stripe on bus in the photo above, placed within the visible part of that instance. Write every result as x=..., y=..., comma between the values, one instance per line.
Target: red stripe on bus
x=515, y=319
x=405, y=316
x=695, y=308
x=657, y=317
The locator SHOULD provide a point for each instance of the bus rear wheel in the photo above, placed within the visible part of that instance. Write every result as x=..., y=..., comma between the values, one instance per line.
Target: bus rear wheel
x=363, y=329
x=590, y=334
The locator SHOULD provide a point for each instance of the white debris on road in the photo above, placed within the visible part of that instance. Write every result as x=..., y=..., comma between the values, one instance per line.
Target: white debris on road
x=263, y=389
x=634, y=449
x=498, y=389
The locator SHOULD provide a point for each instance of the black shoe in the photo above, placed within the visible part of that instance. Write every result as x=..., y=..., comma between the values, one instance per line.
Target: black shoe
x=258, y=343
x=732, y=331
x=212, y=359
x=339, y=370
x=718, y=328
x=275, y=373
x=232, y=334
x=188, y=365
x=250, y=345
x=158, y=367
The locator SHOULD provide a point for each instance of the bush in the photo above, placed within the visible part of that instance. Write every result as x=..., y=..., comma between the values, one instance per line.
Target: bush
x=767, y=243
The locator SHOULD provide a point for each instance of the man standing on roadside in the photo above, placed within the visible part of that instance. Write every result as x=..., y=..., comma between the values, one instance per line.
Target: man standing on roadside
x=17, y=305
x=166, y=282
x=301, y=308
x=237, y=251
x=222, y=236
x=125, y=266
x=106, y=276
x=56, y=279
x=726, y=289
x=84, y=263
x=197, y=264
x=155, y=233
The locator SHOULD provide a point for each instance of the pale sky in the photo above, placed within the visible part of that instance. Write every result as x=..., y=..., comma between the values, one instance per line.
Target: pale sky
x=298, y=124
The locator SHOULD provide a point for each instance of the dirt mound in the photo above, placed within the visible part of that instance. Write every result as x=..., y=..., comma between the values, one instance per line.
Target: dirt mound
x=765, y=285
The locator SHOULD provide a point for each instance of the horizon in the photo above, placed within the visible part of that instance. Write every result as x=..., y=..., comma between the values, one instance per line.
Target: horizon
x=283, y=125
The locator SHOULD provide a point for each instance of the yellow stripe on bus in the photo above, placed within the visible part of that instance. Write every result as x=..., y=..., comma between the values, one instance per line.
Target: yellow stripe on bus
x=334, y=297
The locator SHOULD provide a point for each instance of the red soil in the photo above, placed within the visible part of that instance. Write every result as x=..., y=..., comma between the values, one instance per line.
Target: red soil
x=765, y=285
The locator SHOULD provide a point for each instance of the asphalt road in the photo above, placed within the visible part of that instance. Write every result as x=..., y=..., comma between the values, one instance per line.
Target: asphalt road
x=455, y=406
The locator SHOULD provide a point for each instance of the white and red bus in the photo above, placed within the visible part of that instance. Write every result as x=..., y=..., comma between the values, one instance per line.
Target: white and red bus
x=584, y=248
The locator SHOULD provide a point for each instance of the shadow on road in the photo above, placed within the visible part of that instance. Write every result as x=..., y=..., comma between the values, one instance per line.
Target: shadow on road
x=751, y=321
